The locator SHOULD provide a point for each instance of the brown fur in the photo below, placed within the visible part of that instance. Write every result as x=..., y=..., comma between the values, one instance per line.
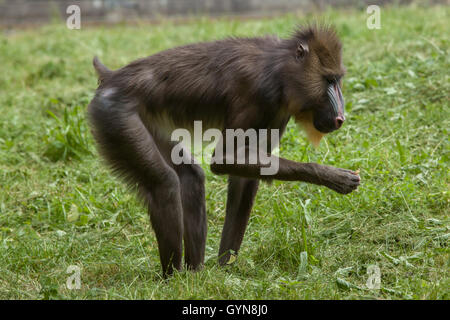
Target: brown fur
x=228, y=84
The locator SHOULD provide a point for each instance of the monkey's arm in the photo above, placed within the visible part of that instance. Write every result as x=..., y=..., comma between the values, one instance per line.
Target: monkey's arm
x=340, y=180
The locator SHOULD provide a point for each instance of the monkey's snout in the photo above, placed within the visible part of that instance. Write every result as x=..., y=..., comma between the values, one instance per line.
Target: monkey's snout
x=339, y=121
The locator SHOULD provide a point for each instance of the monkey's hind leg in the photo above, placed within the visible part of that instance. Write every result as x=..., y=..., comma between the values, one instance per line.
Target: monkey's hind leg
x=132, y=152
x=192, y=180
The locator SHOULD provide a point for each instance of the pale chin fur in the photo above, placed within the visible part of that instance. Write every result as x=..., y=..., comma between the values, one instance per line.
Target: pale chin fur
x=305, y=121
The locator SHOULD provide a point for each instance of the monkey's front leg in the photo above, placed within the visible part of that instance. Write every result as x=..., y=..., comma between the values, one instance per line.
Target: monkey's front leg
x=340, y=180
x=243, y=185
x=241, y=193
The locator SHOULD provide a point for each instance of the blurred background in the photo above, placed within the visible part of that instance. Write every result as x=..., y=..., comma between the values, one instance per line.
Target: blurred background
x=23, y=12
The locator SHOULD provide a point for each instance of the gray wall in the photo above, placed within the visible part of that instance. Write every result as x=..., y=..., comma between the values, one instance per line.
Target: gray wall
x=13, y=12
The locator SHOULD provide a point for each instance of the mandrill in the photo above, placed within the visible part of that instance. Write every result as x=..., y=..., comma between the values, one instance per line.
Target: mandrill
x=235, y=83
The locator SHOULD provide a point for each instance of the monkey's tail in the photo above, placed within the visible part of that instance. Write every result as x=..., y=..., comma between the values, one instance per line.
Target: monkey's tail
x=102, y=71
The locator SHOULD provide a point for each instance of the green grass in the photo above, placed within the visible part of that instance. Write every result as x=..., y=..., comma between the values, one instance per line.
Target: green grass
x=59, y=205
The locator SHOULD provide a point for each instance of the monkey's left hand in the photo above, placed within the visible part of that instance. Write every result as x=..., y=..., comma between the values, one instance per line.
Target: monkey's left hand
x=340, y=180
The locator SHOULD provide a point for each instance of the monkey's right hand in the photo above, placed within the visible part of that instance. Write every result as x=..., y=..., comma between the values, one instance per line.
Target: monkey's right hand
x=340, y=180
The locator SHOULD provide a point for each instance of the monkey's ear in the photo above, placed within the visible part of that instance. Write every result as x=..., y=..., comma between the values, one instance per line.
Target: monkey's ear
x=301, y=51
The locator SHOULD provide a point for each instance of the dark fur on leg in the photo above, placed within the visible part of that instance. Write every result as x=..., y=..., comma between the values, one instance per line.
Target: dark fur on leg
x=133, y=153
x=241, y=194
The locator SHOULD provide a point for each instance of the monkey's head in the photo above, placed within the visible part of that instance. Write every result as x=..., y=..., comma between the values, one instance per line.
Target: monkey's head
x=312, y=80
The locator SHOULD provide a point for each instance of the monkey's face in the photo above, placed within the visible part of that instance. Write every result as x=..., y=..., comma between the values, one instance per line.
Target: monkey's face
x=329, y=114
x=315, y=80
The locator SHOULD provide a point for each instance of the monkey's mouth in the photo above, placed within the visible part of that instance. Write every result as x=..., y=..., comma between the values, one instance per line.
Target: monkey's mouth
x=325, y=128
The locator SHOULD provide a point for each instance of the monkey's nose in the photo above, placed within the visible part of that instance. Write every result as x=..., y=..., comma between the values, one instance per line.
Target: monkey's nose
x=339, y=121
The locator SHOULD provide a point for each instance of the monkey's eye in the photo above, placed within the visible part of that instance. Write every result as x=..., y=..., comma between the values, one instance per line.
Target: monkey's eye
x=332, y=79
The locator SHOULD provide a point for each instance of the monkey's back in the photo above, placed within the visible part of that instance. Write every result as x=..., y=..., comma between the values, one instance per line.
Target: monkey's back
x=200, y=81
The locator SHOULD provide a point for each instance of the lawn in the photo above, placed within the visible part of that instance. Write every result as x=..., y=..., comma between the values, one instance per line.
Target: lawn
x=60, y=206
